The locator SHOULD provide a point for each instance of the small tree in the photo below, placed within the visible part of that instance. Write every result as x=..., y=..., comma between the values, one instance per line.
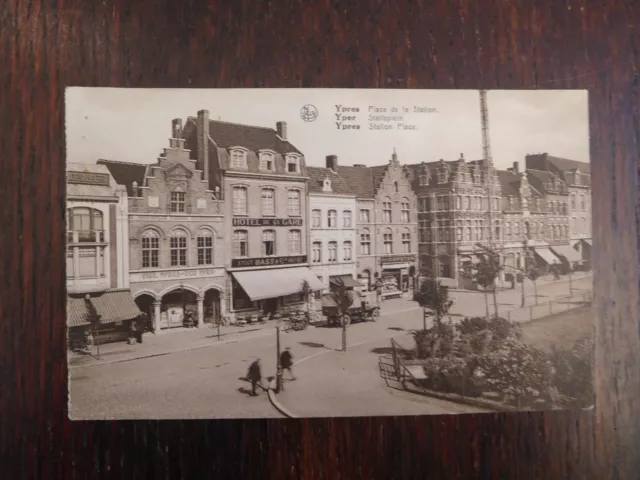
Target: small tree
x=343, y=299
x=433, y=297
x=533, y=273
x=485, y=273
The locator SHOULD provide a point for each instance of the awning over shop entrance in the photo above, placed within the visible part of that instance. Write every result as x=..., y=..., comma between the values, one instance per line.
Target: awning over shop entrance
x=587, y=241
x=279, y=282
x=114, y=307
x=78, y=315
x=567, y=252
x=547, y=256
x=347, y=280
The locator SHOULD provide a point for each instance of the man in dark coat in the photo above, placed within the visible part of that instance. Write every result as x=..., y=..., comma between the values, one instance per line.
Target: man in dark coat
x=255, y=376
x=286, y=362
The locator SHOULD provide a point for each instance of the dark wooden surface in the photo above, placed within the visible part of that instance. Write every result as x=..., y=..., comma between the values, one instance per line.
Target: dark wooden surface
x=47, y=45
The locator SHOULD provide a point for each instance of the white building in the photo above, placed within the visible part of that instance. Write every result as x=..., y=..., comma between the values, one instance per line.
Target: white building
x=332, y=226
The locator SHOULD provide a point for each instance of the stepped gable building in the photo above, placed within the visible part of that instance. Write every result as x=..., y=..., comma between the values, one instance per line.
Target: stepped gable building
x=387, y=226
x=263, y=179
x=176, y=237
x=332, y=226
x=454, y=216
x=577, y=176
x=99, y=301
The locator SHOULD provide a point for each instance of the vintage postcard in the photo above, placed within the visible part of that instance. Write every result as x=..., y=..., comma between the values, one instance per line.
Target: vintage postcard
x=254, y=253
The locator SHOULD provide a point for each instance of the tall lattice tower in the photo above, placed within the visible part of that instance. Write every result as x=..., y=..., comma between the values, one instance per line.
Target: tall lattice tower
x=487, y=160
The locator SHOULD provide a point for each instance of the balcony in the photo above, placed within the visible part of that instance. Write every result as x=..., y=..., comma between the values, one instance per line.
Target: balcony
x=86, y=236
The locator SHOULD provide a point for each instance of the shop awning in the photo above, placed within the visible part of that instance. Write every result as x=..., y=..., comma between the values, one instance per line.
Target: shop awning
x=78, y=315
x=547, y=255
x=347, y=280
x=567, y=252
x=277, y=282
x=115, y=306
x=328, y=301
x=587, y=241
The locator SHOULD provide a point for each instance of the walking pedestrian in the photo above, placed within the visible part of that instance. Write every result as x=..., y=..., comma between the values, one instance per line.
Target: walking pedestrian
x=255, y=376
x=286, y=361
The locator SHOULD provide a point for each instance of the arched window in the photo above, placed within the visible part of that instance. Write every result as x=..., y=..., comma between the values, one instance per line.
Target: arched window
x=386, y=210
x=205, y=247
x=150, y=249
x=406, y=241
x=405, y=218
x=295, y=242
x=240, y=243
x=365, y=242
x=268, y=243
x=86, y=224
x=387, y=239
x=178, y=247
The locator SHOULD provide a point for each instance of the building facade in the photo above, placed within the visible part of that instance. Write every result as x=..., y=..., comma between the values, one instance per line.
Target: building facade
x=99, y=301
x=332, y=226
x=387, y=226
x=263, y=179
x=177, y=240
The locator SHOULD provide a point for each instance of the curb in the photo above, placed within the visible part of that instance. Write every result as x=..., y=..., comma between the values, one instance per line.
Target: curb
x=474, y=402
x=274, y=401
x=161, y=354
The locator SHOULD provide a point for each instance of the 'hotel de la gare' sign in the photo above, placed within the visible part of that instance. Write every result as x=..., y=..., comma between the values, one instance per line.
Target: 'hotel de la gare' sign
x=266, y=222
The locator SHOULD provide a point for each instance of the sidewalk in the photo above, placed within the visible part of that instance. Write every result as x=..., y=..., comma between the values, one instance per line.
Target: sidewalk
x=167, y=342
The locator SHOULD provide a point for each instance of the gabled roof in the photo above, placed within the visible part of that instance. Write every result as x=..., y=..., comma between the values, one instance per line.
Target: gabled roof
x=251, y=137
x=359, y=179
x=565, y=164
x=510, y=183
x=125, y=173
x=316, y=180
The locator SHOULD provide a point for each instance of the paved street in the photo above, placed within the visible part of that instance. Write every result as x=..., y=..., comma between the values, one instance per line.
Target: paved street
x=206, y=382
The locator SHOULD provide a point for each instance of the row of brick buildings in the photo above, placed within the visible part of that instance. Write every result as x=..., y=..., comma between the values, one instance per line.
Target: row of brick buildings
x=230, y=221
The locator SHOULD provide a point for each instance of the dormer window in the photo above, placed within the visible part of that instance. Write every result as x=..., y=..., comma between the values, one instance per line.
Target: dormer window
x=293, y=164
x=326, y=185
x=442, y=175
x=238, y=158
x=267, y=163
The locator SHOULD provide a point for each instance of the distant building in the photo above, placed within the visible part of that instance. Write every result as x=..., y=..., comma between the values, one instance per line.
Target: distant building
x=263, y=179
x=387, y=226
x=332, y=226
x=99, y=303
x=177, y=237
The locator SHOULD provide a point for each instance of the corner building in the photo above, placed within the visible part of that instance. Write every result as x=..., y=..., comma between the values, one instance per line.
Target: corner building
x=263, y=179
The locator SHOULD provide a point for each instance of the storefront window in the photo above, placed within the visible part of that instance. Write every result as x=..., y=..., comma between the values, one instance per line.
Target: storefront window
x=268, y=243
x=241, y=300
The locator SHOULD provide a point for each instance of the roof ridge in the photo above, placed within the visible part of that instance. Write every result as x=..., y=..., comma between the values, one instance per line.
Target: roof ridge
x=245, y=125
x=102, y=161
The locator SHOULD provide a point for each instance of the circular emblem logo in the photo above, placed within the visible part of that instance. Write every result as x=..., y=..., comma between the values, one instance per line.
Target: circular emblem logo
x=309, y=113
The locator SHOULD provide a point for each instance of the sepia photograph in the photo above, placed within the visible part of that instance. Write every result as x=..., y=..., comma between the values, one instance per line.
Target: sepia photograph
x=274, y=253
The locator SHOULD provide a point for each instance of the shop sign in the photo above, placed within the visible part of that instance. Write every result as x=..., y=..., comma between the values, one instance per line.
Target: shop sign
x=88, y=178
x=266, y=222
x=267, y=261
x=397, y=259
x=175, y=274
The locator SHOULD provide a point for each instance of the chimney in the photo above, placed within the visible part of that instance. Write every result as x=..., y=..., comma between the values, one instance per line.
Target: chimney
x=332, y=162
x=202, y=128
x=360, y=165
x=462, y=157
x=281, y=128
x=515, y=168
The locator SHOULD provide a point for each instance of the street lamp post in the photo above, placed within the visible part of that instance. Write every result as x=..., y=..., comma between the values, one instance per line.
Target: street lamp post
x=278, y=365
x=525, y=244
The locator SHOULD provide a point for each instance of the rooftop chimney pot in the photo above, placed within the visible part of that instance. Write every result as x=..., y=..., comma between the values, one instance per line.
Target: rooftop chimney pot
x=332, y=162
x=281, y=128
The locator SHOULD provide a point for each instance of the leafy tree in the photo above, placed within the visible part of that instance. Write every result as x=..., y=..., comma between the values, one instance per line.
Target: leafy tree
x=485, y=273
x=433, y=297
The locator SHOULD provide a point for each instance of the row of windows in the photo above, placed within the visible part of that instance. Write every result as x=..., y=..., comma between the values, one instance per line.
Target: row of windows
x=316, y=252
x=583, y=202
x=268, y=243
x=332, y=219
x=266, y=161
x=443, y=177
x=442, y=202
x=267, y=202
x=387, y=238
x=178, y=247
